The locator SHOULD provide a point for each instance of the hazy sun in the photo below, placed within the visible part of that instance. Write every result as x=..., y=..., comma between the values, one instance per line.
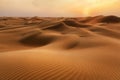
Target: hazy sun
x=94, y=4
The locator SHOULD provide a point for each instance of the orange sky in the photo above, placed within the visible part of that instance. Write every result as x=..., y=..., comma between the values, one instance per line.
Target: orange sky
x=64, y=8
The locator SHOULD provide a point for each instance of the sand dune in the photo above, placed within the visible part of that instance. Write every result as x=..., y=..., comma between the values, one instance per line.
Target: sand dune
x=105, y=32
x=102, y=19
x=57, y=27
x=38, y=39
x=60, y=48
x=74, y=23
x=110, y=19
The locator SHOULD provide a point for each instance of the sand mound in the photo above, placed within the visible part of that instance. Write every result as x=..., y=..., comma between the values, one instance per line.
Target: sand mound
x=38, y=39
x=74, y=23
x=102, y=19
x=2, y=26
x=57, y=27
x=105, y=32
x=73, y=41
x=33, y=21
x=110, y=19
x=95, y=19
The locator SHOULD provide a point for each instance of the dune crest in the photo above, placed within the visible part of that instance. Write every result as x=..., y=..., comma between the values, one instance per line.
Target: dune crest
x=102, y=19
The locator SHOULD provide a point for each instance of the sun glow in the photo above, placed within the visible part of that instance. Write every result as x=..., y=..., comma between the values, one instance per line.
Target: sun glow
x=59, y=7
x=92, y=5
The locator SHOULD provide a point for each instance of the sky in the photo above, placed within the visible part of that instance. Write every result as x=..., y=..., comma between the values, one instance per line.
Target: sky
x=59, y=8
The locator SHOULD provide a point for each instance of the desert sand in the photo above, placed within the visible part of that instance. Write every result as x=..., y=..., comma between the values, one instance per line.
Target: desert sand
x=35, y=48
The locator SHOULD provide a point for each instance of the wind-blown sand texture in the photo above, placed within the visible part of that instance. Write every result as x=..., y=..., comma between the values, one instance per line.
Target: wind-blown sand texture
x=60, y=48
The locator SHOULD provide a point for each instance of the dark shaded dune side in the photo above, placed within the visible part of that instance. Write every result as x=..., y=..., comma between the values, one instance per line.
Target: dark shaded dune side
x=37, y=40
x=10, y=38
x=2, y=26
x=110, y=19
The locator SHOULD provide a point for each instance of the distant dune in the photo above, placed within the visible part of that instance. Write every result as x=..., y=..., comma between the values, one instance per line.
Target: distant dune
x=102, y=19
x=37, y=48
x=74, y=23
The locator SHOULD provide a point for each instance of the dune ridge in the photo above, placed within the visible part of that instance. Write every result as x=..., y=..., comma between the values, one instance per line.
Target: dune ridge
x=102, y=19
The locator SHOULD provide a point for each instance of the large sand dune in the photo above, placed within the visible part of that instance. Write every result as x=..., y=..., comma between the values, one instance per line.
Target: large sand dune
x=101, y=19
x=60, y=48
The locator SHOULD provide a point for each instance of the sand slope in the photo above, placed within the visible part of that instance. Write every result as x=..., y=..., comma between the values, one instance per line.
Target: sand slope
x=59, y=48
